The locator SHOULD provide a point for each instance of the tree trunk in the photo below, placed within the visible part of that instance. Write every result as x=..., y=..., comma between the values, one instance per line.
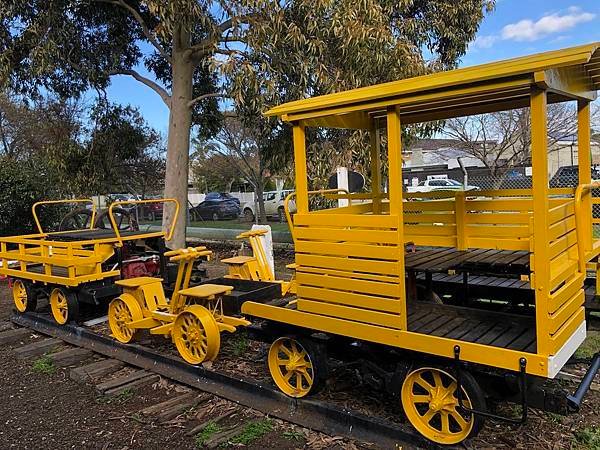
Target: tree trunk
x=178, y=144
x=260, y=189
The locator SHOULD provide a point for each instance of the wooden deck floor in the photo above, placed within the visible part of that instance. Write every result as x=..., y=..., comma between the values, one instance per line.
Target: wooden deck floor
x=496, y=329
x=444, y=259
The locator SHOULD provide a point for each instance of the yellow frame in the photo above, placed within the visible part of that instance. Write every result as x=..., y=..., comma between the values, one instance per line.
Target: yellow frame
x=350, y=261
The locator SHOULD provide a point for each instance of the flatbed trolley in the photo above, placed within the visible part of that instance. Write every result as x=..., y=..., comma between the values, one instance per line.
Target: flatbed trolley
x=75, y=266
x=357, y=287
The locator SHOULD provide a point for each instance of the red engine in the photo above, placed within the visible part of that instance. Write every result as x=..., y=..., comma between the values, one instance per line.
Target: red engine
x=143, y=266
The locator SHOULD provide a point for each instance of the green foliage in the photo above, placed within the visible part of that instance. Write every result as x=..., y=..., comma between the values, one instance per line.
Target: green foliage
x=209, y=430
x=44, y=365
x=22, y=183
x=253, y=431
x=587, y=438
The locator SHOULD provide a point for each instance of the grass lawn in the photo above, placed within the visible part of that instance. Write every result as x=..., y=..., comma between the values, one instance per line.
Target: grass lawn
x=226, y=224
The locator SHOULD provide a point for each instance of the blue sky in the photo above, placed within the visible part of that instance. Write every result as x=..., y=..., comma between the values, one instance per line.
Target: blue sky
x=515, y=28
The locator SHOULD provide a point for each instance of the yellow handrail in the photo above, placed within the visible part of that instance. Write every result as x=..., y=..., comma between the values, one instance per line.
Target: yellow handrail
x=582, y=189
x=50, y=202
x=293, y=194
x=111, y=216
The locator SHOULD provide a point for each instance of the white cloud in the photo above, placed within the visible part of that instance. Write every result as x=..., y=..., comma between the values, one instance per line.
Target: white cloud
x=528, y=30
x=484, y=41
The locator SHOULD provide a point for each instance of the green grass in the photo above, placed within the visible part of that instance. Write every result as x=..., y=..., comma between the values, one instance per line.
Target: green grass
x=125, y=395
x=293, y=435
x=44, y=365
x=239, y=344
x=253, y=431
x=590, y=346
x=226, y=224
x=588, y=438
x=209, y=430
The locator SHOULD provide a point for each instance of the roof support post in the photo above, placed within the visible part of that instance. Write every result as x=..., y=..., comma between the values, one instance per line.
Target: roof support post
x=585, y=165
x=541, y=248
x=299, y=137
x=375, y=167
x=394, y=139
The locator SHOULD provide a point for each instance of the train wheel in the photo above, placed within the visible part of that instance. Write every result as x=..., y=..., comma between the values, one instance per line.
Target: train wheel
x=64, y=306
x=24, y=296
x=430, y=404
x=196, y=335
x=122, y=311
x=298, y=366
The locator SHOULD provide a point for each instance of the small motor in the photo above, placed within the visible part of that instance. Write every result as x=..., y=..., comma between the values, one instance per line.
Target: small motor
x=143, y=266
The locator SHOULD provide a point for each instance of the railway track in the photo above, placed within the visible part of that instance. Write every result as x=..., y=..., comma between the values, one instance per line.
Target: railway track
x=318, y=416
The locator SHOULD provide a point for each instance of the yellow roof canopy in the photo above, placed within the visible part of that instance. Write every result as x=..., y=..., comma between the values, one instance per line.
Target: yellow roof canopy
x=567, y=74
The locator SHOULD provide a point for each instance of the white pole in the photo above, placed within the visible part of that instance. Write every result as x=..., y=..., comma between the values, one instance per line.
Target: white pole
x=342, y=183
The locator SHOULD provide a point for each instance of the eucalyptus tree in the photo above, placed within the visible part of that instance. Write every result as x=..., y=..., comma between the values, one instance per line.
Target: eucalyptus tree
x=257, y=52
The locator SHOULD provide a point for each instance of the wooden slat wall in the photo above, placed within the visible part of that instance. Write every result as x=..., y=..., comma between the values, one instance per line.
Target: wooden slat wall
x=348, y=267
x=566, y=300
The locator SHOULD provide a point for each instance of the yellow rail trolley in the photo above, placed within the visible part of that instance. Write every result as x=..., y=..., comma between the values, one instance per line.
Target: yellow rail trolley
x=76, y=265
x=356, y=283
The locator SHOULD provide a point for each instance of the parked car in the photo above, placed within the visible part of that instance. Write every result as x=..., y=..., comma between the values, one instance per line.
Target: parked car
x=440, y=184
x=111, y=198
x=222, y=196
x=568, y=176
x=151, y=211
x=273, y=206
x=216, y=208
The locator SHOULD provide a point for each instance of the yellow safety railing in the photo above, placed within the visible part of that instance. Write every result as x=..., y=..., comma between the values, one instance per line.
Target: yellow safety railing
x=169, y=234
x=52, y=202
x=323, y=192
x=582, y=227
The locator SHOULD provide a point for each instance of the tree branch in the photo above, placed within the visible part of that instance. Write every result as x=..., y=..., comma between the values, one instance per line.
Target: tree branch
x=138, y=17
x=203, y=97
x=151, y=84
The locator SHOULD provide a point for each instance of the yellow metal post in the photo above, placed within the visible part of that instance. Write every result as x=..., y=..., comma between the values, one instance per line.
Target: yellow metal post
x=394, y=138
x=375, y=167
x=300, y=159
x=585, y=165
x=541, y=254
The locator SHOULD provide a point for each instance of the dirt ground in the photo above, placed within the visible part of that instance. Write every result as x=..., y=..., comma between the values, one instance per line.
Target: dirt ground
x=50, y=411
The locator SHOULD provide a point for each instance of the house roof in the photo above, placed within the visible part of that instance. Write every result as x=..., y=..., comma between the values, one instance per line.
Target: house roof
x=572, y=73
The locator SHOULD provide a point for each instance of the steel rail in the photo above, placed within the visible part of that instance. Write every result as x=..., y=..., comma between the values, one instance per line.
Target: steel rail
x=313, y=414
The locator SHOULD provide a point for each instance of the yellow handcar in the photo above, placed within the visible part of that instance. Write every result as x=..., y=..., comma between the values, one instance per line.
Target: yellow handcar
x=357, y=287
x=193, y=318
x=73, y=266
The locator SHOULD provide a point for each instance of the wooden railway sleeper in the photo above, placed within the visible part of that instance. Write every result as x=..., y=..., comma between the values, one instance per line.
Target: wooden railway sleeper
x=523, y=382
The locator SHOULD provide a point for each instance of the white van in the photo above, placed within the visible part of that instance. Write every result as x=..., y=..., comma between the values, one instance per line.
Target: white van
x=273, y=206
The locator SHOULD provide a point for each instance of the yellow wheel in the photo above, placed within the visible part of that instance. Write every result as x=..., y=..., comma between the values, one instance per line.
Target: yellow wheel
x=63, y=305
x=196, y=335
x=298, y=366
x=430, y=404
x=121, y=312
x=24, y=296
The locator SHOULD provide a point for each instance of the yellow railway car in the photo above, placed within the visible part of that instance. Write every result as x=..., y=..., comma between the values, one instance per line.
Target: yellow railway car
x=75, y=266
x=358, y=288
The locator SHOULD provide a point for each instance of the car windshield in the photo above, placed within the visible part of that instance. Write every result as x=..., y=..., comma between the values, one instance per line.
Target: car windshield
x=454, y=183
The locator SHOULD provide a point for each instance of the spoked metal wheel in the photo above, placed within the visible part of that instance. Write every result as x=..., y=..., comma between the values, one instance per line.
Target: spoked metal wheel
x=429, y=399
x=196, y=335
x=64, y=306
x=297, y=366
x=124, y=218
x=78, y=219
x=121, y=312
x=24, y=296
